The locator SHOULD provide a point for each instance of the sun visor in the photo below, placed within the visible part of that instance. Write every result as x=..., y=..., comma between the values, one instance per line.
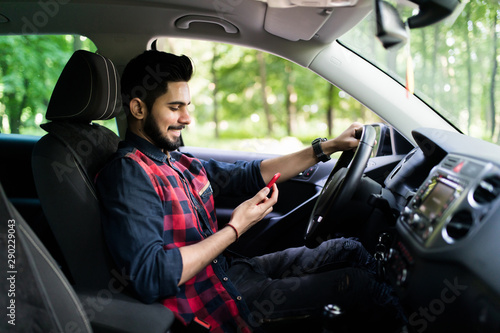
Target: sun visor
x=300, y=19
x=295, y=23
x=309, y=3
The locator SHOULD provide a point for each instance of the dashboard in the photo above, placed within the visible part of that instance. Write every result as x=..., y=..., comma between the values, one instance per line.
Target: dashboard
x=444, y=261
x=443, y=258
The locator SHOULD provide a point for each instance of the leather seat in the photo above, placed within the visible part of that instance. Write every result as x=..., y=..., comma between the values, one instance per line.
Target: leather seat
x=65, y=162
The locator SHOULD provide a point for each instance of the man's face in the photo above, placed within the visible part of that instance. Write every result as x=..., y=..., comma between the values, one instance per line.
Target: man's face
x=169, y=116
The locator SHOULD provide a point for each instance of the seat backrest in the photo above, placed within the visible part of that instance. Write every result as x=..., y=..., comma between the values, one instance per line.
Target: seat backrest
x=66, y=160
x=39, y=298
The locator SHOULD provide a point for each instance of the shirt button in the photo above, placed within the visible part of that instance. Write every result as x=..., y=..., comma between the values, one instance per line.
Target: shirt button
x=239, y=298
x=215, y=261
x=225, y=278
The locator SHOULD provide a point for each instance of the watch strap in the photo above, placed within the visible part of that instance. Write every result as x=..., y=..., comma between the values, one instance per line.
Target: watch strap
x=318, y=151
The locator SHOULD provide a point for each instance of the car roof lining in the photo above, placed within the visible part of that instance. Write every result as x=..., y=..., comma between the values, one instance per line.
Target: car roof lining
x=149, y=19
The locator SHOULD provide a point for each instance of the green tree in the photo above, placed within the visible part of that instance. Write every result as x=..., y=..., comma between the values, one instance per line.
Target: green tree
x=29, y=69
x=264, y=88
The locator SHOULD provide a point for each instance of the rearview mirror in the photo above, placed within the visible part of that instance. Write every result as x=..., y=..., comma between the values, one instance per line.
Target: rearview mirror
x=431, y=11
x=391, y=30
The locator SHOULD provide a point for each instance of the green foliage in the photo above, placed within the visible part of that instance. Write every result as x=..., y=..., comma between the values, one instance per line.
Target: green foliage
x=233, y=75
x=225, y=74
x=454, y=65
x=29, y=68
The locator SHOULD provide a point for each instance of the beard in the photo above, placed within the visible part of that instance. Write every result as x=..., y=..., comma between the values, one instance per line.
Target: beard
x=154, y=133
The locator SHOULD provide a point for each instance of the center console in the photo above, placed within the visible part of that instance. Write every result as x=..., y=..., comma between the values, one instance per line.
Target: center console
x=446, y=208
x=442, y=259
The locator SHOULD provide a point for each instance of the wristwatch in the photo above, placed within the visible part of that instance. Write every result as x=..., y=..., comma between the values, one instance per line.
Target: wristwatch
x=320, y=155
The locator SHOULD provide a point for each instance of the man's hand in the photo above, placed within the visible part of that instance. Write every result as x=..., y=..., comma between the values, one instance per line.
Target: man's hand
x=345, y=141
x=197, y=256
x=253, y=210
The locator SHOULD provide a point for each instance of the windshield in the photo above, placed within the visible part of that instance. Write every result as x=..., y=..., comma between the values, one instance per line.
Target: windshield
x=455, y=64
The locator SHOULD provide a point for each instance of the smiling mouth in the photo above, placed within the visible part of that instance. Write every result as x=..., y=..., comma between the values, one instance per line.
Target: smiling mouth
x=176, y=130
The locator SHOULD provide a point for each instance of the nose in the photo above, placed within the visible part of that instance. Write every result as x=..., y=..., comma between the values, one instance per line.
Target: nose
x=184, y=117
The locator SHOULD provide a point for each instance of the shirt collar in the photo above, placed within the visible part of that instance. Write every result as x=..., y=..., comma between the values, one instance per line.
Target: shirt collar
x=146, y=147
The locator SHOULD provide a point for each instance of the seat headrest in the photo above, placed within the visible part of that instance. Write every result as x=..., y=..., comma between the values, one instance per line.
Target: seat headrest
x=87, y=89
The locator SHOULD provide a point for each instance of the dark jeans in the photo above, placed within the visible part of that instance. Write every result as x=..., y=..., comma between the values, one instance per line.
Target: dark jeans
x=299, y=282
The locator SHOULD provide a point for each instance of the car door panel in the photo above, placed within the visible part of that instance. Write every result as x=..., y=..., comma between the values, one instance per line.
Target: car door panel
x=286, y=225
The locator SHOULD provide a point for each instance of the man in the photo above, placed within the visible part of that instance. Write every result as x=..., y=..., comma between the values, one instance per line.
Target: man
x=160, y=225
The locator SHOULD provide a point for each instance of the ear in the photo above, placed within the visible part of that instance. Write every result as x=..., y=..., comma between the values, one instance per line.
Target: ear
x=137, y=108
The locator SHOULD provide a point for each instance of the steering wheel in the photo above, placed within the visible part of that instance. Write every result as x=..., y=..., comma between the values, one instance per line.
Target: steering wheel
x=342, y=182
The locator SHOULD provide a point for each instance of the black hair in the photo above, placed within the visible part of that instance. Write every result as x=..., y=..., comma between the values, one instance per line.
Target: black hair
x=147, y=75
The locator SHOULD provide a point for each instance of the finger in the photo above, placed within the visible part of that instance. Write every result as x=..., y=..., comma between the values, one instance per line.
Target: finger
x=274, y=195
x=269, y=210
x=358, y=132
x=271, y=201
x=357, y=125
x=261, y=195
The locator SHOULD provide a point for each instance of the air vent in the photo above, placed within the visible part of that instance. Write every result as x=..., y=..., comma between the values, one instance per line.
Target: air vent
x=450, y=162
x=487, y=190
x=395, y=172
x=409, y=155
x=459, y=225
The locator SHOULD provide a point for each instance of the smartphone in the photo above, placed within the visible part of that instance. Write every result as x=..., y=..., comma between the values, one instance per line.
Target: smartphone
x=273, y=180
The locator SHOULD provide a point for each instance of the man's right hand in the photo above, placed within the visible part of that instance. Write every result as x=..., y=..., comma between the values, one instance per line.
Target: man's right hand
x=254, y=209
x=197, y=256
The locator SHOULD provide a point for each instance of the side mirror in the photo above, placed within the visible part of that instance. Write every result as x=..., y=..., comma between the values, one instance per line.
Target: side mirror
x=391, y=30
x=389, y=141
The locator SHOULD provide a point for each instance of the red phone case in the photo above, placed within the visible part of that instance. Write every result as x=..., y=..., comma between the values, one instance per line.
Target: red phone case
x=273, y=180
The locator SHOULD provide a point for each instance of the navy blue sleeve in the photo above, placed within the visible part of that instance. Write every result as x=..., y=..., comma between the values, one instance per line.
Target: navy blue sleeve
x=132, y=218
x=238, y=178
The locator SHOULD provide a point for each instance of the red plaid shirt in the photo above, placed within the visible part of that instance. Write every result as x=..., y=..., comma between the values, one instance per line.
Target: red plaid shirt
x=151, y=207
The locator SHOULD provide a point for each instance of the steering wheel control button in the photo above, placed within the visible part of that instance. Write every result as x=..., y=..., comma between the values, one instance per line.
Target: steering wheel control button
x=318, y=151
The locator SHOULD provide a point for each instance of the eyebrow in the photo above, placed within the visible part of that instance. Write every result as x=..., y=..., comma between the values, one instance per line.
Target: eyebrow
x=178, y=103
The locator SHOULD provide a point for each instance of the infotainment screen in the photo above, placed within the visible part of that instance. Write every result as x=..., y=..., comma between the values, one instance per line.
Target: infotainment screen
x=436, y=200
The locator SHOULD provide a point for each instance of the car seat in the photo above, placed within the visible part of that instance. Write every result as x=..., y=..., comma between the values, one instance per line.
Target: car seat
x=37, y=295
x=65, y=162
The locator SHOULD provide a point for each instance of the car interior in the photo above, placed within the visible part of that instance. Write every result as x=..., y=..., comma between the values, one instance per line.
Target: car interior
x=420, y=195
x=53, y=303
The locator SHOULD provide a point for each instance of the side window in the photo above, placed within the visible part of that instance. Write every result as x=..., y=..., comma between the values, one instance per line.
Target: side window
x=29, y=69
x=244, y=99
